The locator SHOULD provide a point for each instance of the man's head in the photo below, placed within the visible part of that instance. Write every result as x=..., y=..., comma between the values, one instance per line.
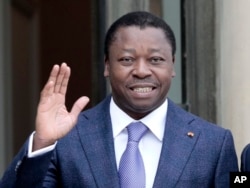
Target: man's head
x=142, y=20
x=139, y=62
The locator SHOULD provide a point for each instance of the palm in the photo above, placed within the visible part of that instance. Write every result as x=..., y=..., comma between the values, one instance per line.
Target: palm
x=53, y=121
x=55, y=117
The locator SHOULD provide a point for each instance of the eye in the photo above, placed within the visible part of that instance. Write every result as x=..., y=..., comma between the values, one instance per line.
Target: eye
x=126, y=60
x=156, y=60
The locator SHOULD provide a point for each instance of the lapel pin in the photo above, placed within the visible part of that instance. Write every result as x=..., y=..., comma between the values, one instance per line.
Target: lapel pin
x=190, y=134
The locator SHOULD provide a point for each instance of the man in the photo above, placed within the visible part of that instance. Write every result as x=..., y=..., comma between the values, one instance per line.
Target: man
x=176, y=148
x=245, y=159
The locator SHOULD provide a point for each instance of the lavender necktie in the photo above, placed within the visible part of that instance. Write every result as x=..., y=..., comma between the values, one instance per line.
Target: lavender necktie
x=131, y=168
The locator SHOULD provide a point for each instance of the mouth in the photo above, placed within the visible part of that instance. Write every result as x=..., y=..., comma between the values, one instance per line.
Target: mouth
x=142, y=89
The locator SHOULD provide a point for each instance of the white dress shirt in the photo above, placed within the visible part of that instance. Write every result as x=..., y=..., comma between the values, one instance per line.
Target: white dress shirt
x=150, y=144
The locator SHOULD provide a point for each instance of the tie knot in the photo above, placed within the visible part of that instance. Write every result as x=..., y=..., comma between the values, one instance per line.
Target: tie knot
x=136, y=130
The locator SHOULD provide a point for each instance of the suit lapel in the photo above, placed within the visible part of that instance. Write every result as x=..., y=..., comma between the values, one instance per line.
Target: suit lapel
x=97, y=140
x=179, y=140
x=96, y=132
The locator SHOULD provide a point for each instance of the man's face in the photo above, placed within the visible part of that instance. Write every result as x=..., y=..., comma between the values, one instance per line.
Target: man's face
x=140, y=68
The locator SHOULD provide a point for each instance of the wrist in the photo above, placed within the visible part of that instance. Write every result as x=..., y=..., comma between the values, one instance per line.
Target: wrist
x=39, y=143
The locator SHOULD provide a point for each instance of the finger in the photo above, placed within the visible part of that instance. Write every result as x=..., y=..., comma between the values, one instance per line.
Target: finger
x=60, y=76
x=78, y=107
x=49, y=86
x=65, y=81
x=46, y=92
x=53, y=74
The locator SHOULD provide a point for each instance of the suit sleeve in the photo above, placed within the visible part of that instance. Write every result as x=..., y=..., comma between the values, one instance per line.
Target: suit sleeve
x=26, y=172
x=227, y=162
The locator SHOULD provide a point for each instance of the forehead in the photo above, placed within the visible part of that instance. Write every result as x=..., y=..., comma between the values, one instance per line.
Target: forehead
x=134, y=30
x=134, y=35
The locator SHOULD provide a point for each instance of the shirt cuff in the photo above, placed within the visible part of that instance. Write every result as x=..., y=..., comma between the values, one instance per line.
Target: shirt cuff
x=40, y=151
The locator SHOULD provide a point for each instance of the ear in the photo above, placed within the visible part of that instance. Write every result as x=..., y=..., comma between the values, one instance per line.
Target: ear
x=106, y=67
x=173, y=71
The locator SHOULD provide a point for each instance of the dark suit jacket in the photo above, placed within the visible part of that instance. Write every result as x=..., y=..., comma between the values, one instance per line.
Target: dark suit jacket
x=86, y=156
x=245, y=159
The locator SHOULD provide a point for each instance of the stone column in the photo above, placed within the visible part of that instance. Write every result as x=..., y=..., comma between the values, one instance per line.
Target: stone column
x=115, y=9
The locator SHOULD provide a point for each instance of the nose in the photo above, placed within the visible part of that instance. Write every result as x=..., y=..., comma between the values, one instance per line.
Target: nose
x=141, y=69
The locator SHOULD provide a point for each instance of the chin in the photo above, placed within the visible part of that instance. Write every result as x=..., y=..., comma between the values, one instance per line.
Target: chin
x=143, y=108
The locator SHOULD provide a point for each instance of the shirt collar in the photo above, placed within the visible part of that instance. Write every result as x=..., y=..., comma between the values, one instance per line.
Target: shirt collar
x=155, y=121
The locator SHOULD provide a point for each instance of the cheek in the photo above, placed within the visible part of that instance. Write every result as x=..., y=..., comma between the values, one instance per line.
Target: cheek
x=166, y=78
x=170, y=71
x=118, y=72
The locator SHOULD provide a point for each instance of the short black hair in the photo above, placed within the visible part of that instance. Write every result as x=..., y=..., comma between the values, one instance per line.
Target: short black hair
x=141, y=19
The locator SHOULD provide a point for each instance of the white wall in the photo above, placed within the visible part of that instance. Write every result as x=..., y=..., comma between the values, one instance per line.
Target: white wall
x=233, y=60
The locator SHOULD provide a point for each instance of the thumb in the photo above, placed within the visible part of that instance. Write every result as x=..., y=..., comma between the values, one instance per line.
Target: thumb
x=78, y=106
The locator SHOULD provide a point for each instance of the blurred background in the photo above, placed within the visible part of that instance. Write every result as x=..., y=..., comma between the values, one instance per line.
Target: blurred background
x=212, y=59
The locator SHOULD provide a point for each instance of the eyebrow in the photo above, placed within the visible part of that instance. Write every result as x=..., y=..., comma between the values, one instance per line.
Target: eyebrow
x=132, y=50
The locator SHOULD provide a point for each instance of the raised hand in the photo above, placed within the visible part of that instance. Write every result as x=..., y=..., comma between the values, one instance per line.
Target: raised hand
x=53, y=121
